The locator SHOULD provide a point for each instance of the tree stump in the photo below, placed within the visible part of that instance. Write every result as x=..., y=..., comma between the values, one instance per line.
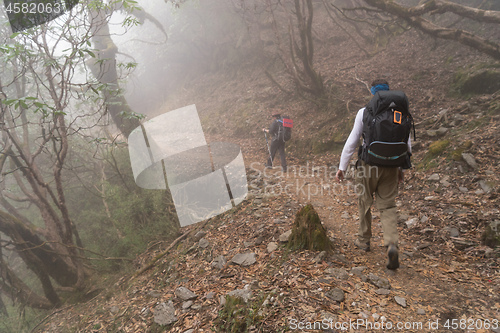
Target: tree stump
x=308, y=233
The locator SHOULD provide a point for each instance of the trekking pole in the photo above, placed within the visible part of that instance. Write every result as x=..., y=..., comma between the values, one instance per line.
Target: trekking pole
x=268, y=148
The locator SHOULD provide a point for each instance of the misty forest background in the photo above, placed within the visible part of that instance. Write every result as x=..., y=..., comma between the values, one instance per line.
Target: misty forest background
x=73, y=89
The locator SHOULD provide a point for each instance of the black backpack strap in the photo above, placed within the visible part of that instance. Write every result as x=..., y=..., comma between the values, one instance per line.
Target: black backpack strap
x=366, y=115
x=414, y=132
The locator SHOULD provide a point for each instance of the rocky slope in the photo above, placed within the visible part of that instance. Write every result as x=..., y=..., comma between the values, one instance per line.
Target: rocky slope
x=448, y=280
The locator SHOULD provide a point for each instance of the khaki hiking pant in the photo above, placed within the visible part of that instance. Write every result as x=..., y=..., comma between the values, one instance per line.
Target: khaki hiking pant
x=383, y=181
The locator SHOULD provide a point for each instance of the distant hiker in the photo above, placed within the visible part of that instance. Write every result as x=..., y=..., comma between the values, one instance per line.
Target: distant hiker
x=277, y=133
x=384, y=124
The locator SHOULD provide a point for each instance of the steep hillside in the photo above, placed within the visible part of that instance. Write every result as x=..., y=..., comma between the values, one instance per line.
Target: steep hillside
x=447, y=275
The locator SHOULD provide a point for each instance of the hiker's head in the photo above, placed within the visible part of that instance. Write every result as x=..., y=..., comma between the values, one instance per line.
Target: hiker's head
x=276, y=114
x=378, y=85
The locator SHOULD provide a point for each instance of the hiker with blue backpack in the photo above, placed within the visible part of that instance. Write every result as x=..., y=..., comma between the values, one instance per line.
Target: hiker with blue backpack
x=385, y=125
x=280, y=132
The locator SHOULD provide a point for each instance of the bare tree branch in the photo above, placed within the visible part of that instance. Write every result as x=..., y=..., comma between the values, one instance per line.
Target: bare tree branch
x=443, y=6
x=345, y=30
x=466, y=38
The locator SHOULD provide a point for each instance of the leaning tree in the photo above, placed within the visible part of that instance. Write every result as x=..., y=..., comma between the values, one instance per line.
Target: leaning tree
x=432, y=17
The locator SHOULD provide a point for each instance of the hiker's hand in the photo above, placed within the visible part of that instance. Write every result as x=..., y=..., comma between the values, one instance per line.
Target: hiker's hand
x=264, y=130
x=401, y=176
x=340, y=175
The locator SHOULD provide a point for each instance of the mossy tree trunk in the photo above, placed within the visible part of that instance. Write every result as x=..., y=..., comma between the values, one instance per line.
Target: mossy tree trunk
x=104, y=68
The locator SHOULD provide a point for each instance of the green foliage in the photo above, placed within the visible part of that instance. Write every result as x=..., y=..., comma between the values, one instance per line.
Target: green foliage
x=130, y=21
x=15, y=51
x=132, y=115
x=238, y=316
x=128, y=65
x=135, y=218
x=143, y=216
x=456, y=154
x=478, y=79
x=127, y=5
x=32, y=103
x=20, y=320
x=435, y=149
x=43, y=63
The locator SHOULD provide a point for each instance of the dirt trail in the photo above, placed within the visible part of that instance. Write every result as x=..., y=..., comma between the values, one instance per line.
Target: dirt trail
x=445, y=287
x=438, y=288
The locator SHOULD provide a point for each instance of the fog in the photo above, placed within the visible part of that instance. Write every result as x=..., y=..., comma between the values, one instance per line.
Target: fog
x=195, y=34
x=147, y=86
x=161, y=62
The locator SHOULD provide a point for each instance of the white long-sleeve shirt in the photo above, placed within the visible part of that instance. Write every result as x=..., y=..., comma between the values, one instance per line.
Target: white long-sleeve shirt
x=352, y=141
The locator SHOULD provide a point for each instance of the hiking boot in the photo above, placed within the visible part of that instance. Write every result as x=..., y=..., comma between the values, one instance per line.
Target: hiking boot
x=362, y=245
x=393, y=256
